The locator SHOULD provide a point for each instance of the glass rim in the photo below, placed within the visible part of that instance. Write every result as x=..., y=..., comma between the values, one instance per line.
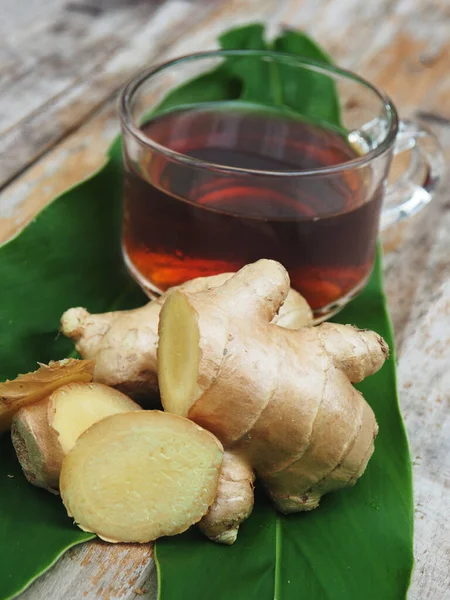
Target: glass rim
x=135, y=83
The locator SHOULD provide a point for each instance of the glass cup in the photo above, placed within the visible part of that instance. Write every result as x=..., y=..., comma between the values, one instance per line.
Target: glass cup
x=294, y=170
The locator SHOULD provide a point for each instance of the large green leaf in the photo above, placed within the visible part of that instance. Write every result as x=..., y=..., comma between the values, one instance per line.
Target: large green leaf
x=227, y=81
x=259, y=82
x=358, y=544
x=309, y=93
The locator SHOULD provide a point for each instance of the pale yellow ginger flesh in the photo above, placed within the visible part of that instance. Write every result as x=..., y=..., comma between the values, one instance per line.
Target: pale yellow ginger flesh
x=137, y=476
x=43, y=433
x=124, y=343
x=282, y=400
x=74, y=408
x=33, y=387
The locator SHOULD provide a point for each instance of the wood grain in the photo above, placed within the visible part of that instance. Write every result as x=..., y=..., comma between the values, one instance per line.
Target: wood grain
x=425, y=402
x=52, y=88
x=96, y=570
x=401, y=45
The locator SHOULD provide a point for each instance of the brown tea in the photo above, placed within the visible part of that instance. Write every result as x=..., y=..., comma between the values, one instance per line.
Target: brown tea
x=182, y=221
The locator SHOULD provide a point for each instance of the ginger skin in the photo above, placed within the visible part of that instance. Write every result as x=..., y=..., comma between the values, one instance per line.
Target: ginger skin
x=124, y=343
x=36, y=446
x=282, y=400
x=233, y=503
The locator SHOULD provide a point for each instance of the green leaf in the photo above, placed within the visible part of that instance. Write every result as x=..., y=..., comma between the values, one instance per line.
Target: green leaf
x=246, y=37
x=297, y=42
x=357, y=544
x=254, y=74
x=263, y=82
x=307, y=92
x=211, y=87
x=225, y=82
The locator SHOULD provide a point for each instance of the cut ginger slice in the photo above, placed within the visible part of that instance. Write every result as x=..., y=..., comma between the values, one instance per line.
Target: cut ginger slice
x=178, y=355
x=33, y=387
x=75, y=407
x=138, y=476
x=44, y=432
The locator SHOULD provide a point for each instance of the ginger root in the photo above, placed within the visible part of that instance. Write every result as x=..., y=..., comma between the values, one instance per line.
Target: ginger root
x=33, y=387
x=282, y=400
x=137, y=476
x=45, y=432
x=233, y=503
x=123, y=344
x=238, y=358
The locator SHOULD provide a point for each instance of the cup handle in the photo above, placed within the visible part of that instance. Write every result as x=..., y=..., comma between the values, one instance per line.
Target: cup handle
x=415, y=187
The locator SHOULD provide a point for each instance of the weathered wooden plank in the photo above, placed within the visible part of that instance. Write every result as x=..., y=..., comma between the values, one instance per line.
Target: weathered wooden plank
x=84, y=63
x=76, y=42
x=424, y=387
x=79, y=155
x=409, y=59
x=343, y=27
x=83, y=572
x=416, y=263
x=18, y=15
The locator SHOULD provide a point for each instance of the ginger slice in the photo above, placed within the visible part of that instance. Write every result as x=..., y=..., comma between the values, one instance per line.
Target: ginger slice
x=74, y=408
x=178, y=378
x=43, y=433
x=35, y=386
x=137, y=476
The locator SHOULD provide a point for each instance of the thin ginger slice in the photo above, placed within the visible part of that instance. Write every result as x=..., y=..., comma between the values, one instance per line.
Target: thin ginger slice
x=73, y=408
x=43, y=433
x=35, y=386
x=137, y=476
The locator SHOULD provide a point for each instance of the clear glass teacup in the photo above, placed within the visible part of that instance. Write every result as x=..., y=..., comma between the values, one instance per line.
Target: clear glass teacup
x=214, y=184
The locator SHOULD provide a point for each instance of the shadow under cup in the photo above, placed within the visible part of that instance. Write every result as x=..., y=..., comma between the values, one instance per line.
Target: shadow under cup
x=213, y=183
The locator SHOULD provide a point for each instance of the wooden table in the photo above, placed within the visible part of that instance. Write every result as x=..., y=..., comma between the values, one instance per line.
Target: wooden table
x=62, y=63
